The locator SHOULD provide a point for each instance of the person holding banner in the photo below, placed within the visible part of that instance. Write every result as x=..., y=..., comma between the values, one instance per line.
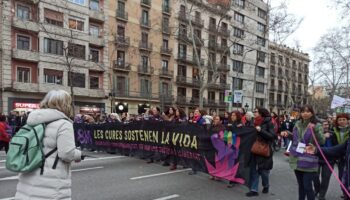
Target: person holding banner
x=304, y=164
x=261, y=165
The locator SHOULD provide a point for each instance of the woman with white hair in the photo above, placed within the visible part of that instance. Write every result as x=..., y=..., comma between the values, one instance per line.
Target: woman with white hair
x=55, y=182
x=249, y=116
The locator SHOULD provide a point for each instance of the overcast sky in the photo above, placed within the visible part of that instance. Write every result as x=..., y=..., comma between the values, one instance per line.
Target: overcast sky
x=318, y=16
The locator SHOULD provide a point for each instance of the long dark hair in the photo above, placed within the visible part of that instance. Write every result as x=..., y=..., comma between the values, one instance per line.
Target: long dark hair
x=263, y=112
x=309, y=108
x=238, y=116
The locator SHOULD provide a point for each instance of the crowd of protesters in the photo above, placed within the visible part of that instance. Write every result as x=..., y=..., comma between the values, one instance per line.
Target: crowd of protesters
x=284, y=131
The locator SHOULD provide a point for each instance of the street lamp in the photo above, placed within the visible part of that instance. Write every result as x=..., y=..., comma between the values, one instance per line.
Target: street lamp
x=246, y=106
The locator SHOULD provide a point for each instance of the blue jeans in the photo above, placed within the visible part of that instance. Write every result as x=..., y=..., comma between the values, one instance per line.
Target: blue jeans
x=305, y=180
x=254, y=178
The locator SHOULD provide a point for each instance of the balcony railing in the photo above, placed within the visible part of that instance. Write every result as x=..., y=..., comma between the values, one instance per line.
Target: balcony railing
x=142, y=69
x=272, y=103
x=223, y=67
x=166, y=29
x=147, y=3
x=280, y=89
x=166, y=50
x=121, y=65
x=273, y=73
x=187, y=81
x=122, y=14
x=166, y=9
x=122, y=42
x=189, y=59
x=196, y=21
x=145, y=23
x=194, y=101
x=166, y=73
x=273, y=88
x=145, y=46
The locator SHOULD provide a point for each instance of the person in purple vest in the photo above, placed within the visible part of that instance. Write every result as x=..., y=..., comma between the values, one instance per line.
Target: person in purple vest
x=304, y=164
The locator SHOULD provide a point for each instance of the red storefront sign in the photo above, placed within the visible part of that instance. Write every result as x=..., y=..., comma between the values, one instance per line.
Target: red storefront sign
x=26, y=105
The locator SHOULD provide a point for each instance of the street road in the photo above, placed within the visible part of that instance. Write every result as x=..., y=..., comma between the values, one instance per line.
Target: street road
x=113, y=177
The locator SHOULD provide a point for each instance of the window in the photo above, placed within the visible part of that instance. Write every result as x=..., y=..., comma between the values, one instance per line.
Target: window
x=195, y=94
x=260, y=41
x=53, y=76
x=280, y=72
x=146, y=86
x=238, y=49
x=286, y=73
x=94, y=55
x=262, y=13
x=121, y=85
x=182, y=51
x=261, y=56
x=80, y=2
x=23, y=42
x=211, y=95
x=76, y=24
x=238, y=32
x=280, y=60
x=285, y=100
x=94, y=30
x=221, y=97
x=260, y=71
x=94, y=82
x=78, y=79
x=237, y=84
x=287, y=62
x=183, y=30
x=144, y=62
x=76, y=50
x=53, y=46
x=144, y=18
x=181, y=71
x=144, y=38
x=165, y=65
x=166, y=25
x=181, y=92
x=239, y=17
x=120, y=58
x=261, y=27
x=260, y=87
x=23, y=12
x=94, y=5
x=240, y=3
x=53, y=17
x=23, y=74
x=237, y=66
x=166, y=6
x=279, y=98
x=273, y=58
x=165, y=44
x=164, y=89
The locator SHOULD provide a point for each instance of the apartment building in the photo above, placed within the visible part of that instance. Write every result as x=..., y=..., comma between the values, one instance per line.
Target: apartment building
x=232, y=42
x=289, y=70
x=54, y=45
x=140, y=42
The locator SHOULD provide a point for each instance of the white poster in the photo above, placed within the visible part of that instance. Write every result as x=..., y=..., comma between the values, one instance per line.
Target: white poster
x=337, y=102
x=237, y=96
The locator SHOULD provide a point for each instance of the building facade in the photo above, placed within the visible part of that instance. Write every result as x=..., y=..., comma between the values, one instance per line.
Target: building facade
x=141, y=54
x=54, y=45
x=289, y=70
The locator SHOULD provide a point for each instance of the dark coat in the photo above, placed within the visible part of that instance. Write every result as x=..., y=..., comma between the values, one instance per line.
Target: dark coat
x=267, y=134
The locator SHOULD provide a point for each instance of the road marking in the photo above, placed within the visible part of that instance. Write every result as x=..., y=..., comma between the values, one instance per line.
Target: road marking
x=10, y=198
x=103, y=158
x=74, y=170
x=160, y=174
x=86, y=169
x=167, y=197
x=2, y=161
x=2, y=167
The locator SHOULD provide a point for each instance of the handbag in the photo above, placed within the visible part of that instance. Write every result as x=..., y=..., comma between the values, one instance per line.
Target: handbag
x=261, y=148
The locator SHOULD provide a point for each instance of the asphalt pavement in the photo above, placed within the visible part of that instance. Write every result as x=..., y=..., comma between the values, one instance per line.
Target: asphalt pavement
x=114, y=177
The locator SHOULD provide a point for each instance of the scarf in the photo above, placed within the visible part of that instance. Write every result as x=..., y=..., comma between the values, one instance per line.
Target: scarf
x=258, y=121
x=196, y=118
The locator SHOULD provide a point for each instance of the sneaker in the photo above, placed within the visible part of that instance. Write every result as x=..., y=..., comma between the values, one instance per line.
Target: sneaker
x=265, y=190
x=252, y=194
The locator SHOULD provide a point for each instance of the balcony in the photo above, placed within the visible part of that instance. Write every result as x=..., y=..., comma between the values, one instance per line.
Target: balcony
x=166, y=98
x=280, y=89
x=122, y=15
x=219, y=30
x=211, y=102
x=198, y=40
x=145, y=46
x=219, y=86
x=97, y=14
x=273, y=73
x=166, y=30
x=96, y=40
x=213, y=45
x=191, y=60
x=300, y=93
x=272, y=103
x=273, y=88
x=122, y=42
x=186, y=81
x=223, y=67
x=224, y=49
x=166, y=10
x=25, y=87
x=145, y=23
x=122, y=66
x=26, y=55
x=165, y=73
x=279, y=104
x=145, y=70
x=183, y=37
x=146, y=3
x=25, y=25
x=196, y=21
x=166, y=51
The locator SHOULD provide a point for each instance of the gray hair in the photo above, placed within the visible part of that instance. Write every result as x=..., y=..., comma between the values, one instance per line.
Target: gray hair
x=59, y=100
x=249, y=115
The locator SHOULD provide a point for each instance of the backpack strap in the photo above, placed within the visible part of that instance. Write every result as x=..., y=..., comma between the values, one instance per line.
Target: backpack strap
x=46, y=156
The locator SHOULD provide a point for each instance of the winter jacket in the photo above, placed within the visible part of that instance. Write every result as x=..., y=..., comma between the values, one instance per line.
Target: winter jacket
x=54, y=183
x=267, y=134
x=4, y=136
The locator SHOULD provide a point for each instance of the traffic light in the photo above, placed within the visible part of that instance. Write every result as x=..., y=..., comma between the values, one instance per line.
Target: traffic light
x=121, y=107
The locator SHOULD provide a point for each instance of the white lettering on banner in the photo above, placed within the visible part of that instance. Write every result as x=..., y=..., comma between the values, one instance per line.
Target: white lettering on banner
x=26, y=105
